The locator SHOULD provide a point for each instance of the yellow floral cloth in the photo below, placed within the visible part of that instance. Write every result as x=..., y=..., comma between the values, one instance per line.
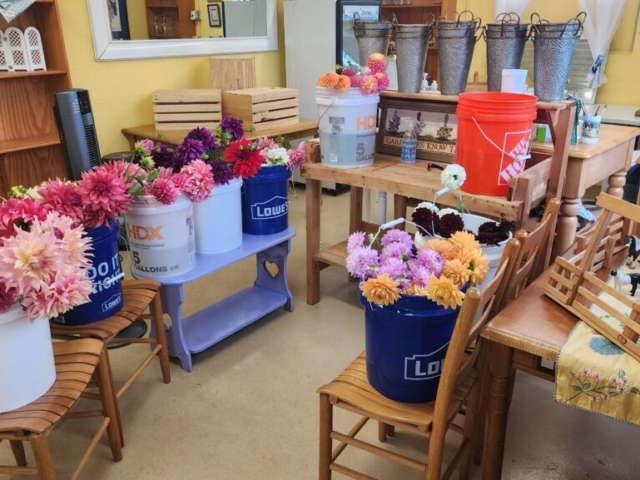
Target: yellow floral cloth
x=594, y=374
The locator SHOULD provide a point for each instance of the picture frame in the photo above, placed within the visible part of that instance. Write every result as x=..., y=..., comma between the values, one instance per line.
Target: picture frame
x=214, y=15
x=118, y=19
x=436, y=125
x=346, y=42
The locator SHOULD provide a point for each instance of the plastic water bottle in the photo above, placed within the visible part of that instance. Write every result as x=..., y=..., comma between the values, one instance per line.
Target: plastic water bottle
x=409, y=146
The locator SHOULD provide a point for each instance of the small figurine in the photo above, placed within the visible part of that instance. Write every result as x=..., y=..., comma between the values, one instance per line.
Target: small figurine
x=425, y=82
x=633, y=244
x=434, y=86
x=621, y=279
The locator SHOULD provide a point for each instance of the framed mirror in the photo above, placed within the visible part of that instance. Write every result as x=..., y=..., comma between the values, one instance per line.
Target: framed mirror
x=106, y=47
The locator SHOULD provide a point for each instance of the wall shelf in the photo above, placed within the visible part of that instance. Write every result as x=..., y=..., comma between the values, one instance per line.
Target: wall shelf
x=29, y=143
x=39, y=73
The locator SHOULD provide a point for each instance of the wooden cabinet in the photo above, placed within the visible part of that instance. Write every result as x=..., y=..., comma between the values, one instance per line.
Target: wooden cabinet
x=170, y=18
x=421, y=11
x=30, y=146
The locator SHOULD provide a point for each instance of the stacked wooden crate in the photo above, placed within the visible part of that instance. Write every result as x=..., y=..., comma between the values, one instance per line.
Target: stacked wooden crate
x=187, y=109
x=262, y=108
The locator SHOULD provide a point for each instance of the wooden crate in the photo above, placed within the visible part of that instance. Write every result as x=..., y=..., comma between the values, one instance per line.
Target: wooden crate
x=232, y=72
x=262, y=108
x=187, y=109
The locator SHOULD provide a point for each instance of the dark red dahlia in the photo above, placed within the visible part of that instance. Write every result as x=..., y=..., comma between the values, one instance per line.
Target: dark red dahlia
x=427, y=220
x=450, y=224
x=492, y=233
x=163, y=156
x=245, y=159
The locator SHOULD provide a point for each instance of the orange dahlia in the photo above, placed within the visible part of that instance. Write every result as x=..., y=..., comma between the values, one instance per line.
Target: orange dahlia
x=457, y=272
x=381, y=290
x=344, y=83
x=328, y=80
x=465, y=239
x=444, y=292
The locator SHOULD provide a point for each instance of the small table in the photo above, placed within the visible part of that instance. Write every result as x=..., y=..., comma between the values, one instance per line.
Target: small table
x=216, y=322
x=303, y=129
x=587, y=165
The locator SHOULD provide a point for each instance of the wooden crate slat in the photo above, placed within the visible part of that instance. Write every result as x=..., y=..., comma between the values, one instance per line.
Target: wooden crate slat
x=168, y=127
x=275, y=105
x=275, y=115
x=181, y=107
x=188, y=117
x=275, y=123
x=210, y=95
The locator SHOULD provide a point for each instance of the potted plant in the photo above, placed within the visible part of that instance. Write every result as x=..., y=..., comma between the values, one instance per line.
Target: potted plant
x=43, y=266
x=411, y=298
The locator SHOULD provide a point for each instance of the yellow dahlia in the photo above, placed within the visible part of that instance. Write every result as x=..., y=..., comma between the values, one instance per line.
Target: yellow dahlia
x=344, y=83
x=479, y=268
x=457, y=272
x=382, y=290
x=443, y=247
x=465, y=239
x=328, y=80
x=444, y=292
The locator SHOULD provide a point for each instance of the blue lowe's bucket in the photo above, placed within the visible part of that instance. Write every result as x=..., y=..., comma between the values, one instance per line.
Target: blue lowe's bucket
x=406, y=344
x=265, y=201
x=106, y=276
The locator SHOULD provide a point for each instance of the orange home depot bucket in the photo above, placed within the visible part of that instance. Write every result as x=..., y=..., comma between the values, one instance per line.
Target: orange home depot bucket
x=494, y=136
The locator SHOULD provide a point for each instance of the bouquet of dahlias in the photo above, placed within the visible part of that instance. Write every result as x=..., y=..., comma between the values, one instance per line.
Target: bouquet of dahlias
x=278, y=151
x=437, y=271
x=43, y=259
x=370, y=79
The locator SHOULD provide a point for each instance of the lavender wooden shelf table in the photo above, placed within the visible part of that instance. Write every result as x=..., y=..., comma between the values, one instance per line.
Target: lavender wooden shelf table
x=209, y=326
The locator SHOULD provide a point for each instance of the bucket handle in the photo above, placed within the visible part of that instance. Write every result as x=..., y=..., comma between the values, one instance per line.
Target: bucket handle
x=536, y=19
x=521, y=158
x=358, y=27
x=508, y=18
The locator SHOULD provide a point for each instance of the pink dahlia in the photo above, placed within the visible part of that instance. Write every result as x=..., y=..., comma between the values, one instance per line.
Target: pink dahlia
x=20, y=212
x=297, y=156
x=73, y=243
x=200, y=180
x=356, y=81
x=369, y=84
x=104, y=196
x=164, y=191
x=349, y=71
x=8, y=297
x=63, y=197
x=264, y=144
x=377, y=63
x=383, y=81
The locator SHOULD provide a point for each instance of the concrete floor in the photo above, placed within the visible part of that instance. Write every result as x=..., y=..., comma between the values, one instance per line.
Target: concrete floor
x=249, y=410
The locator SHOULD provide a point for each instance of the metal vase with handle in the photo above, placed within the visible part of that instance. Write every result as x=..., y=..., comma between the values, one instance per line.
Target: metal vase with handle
x=553, y=47
x=412, y=43
x=373, y=37
x=506, y=40
x=456, y=41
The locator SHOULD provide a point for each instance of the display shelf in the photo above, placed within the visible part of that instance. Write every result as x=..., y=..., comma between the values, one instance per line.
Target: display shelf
x=29, y=143
x=216, y=322
x=39, y=73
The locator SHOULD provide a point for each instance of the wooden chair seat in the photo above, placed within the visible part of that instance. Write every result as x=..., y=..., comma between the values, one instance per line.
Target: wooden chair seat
x=353, y=388
x=76, y=362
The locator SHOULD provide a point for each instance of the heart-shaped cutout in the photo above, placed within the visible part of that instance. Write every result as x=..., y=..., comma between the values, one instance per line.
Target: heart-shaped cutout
x=272, y=269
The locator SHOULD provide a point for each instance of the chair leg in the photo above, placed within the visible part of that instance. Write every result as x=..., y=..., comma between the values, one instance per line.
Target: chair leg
x=108, y=372
x=109, y=406
x=42, y=454
x=18, y=453
x=382, y=432
x=326, y=426
x=161, y=338
x=470, y=433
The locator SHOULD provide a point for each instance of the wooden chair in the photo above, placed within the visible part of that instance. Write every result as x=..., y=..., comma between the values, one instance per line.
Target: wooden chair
x=535, y=252
x=458, y=386
x=76, y=362
x=138, y=296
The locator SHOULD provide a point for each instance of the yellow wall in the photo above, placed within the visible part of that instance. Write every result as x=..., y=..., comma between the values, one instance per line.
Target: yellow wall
x=204, y=30
x=623, y=68
x=137, y=14
x=121, y=90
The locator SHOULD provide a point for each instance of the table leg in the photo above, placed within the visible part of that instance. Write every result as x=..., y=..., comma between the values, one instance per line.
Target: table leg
x=278, y=283
x=567, y=224
x=616, y=183
x=355, y=209
x=501, y=358
x=313, y=194
x=172, y=299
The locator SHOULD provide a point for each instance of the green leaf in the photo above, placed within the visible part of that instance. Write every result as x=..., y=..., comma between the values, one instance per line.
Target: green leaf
x=586, y=386
x=577, y=388
x=634, y=390
x=621, y=373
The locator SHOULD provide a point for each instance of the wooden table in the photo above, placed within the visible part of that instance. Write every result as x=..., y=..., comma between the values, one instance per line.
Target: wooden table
x=533, y=327
x=587, y=165
x=303, y=129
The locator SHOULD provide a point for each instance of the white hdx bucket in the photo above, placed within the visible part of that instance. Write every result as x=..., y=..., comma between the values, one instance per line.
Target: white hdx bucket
x=347, y=127
x=161, y=237
x=218, y=219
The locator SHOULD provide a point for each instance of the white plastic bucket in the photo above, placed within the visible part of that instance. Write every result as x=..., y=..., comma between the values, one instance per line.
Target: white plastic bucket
x=218, y=219
x=27, y=367
x=161, y=237
x=514, y=80
x=347, y=127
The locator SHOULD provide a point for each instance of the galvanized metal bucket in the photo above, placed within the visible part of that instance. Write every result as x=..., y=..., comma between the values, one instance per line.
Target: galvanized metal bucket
x=456, y=41
x=411, y=43
x=553, y=47
x=506, y=40
x=373, y=37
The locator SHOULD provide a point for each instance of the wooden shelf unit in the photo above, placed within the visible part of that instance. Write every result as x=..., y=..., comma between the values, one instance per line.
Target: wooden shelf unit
x=420, y=12
x=30, y=149
x=177, y=21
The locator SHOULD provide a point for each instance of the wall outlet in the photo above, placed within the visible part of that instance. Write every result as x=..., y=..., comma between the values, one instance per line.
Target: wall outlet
x=195, y=15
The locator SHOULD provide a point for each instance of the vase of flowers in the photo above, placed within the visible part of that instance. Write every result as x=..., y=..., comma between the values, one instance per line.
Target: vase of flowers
x=347, y=106
x=411, y=298
x=43, y=263
x=265, y=197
